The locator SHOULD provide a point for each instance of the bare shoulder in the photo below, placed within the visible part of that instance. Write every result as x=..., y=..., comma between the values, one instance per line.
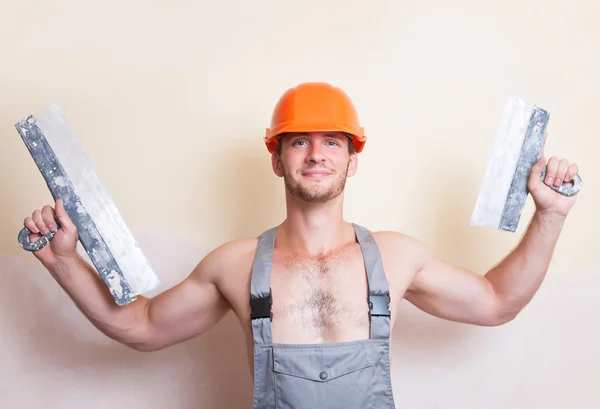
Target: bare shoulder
x=394, y=241
x=232, y=256
x=401, y=254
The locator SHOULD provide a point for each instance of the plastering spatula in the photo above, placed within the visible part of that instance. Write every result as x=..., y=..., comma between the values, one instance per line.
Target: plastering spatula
x=516, y=148
x=102, y=231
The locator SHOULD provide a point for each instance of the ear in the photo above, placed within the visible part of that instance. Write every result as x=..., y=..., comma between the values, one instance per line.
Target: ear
x=277, y=165
x=352, y=164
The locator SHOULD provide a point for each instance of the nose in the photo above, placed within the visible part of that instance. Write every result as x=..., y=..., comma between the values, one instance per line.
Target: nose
x=315, y=153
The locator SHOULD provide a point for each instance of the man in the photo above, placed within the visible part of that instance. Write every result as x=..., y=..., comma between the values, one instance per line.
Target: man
x=316, y=294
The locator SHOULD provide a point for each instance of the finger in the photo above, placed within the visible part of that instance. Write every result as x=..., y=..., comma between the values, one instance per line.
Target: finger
x=571, y=172
x=561, y=172
x=535, y=175
x=30, y=224
x=551, y=169
x=48, y=217
x=541, y=162
x=63, y=217
x=39, y=222
x=538, y=168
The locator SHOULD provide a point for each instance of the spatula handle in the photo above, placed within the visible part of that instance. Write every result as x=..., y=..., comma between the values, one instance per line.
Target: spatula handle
x=39, y=243
x=565, y=189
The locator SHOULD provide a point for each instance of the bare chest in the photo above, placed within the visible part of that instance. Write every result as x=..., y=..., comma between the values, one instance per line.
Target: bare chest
x=320, y=299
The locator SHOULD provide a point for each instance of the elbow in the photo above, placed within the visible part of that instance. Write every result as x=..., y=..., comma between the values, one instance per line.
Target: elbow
x=144, y=340
x=138, y=339
x=137, y=343
x=502, y=314
x=501, y=308
x=141, y=346
x=141, y=341
x=138, y=334
x=500, y=319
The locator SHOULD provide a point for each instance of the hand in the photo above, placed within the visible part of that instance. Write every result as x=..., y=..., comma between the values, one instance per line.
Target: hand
x=558, y=172
x=63, y=245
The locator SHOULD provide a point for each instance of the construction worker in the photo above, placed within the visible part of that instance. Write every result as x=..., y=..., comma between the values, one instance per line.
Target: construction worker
x=316, y=295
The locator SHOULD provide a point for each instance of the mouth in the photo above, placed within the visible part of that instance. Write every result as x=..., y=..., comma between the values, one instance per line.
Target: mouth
x=316, y=173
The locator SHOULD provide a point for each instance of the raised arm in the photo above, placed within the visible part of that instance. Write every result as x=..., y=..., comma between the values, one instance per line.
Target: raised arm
x=189, y=308
x=185, y=310
x=494, y=298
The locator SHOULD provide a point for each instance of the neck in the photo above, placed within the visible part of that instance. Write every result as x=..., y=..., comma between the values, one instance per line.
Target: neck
x=314, y=228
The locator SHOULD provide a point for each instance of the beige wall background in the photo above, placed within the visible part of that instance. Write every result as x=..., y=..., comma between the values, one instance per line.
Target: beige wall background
x=170, y=101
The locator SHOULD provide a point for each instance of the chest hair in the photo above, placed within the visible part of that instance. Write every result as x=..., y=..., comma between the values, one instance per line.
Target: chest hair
x=321, y=292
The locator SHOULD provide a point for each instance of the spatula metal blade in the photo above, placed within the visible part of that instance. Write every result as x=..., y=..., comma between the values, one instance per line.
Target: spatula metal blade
x=103, y=233
x=516, y=148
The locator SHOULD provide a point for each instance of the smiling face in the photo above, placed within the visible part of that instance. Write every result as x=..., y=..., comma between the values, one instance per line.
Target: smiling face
x=315, y=165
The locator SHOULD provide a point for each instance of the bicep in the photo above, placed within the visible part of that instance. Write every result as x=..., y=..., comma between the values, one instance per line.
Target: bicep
x=453, y=293
x=187, y=309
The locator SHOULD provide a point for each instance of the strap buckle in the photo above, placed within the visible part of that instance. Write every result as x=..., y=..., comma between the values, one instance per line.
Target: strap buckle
x=261, y=307
x=379, y=305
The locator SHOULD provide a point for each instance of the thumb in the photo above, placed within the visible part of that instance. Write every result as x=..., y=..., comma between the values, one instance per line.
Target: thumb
x=536, y=171
x=63, y=218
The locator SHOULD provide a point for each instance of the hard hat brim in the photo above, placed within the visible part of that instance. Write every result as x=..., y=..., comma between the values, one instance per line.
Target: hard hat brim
x=357, y=134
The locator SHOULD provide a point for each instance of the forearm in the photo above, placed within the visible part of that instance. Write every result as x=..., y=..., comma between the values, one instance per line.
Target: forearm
x=517, y=278
x=89, y=293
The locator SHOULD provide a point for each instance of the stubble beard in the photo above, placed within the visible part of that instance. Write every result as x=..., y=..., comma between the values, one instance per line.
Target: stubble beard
x=316, y=193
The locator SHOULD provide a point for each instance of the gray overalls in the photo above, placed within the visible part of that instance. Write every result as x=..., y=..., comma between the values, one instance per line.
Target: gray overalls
x=344, y=375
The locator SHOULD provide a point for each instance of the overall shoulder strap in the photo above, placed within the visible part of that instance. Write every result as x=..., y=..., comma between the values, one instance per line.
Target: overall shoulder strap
x=260, y=288
x=379, y=295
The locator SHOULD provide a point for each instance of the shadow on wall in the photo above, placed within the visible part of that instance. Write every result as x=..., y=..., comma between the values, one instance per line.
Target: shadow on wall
x=48, y=346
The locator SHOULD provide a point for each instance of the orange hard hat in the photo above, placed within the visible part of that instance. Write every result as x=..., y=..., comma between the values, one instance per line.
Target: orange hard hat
x=315, y=107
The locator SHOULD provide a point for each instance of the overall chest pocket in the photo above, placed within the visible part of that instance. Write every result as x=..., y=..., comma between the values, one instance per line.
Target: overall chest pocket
x=323, y=377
